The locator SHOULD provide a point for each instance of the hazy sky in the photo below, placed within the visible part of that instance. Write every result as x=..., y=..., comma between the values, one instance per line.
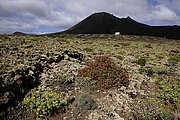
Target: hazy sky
x=39, y=16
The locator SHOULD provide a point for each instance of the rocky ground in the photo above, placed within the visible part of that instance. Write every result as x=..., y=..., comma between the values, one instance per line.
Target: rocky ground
x=40, y=63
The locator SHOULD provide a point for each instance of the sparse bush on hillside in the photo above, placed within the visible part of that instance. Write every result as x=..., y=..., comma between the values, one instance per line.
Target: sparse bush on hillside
x=105, y=72
x=154, y=70
x=88, y=49
x=120, y=57
x=141, y=61
x=121, y=52
x=174, y=59
x=147, y=71
x=42, y=102
x=170, y=91
x=160, y=54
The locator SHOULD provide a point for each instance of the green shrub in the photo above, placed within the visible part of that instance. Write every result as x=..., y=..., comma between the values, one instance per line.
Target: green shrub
x=160, y=55
x=121, y=52
x=154, y=70
x=174, y=58
x=170, y=91
x=147, y=71
x=160, y=69
x=120, y=57
x=141, y=61
x=42, y=102
x=105, y=72
x=88, y=49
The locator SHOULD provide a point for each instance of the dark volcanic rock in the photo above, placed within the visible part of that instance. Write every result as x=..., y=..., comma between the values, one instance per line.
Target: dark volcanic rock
x=16, y=84
x=74, y=54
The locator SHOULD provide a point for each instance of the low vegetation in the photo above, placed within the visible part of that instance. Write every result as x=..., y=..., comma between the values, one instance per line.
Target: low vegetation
x=43, y=102
x=151, y=109
x=170, y=91
x=174, y=59
x=141, y=61
x=88, y=49
x=105, y=72
x=90, y=77
x=154, y=70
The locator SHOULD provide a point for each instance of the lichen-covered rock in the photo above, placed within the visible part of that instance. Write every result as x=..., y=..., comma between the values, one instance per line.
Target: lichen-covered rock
x=150, y=109
x=84, y=103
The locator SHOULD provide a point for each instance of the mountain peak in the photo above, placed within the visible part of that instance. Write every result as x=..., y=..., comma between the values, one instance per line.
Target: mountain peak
x=101, y=23
x=101, y=13
x=128, y=17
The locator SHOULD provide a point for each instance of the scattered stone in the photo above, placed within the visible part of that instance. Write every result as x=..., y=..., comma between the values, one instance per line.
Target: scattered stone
x=29, y=46
x=4, y=100
x=74, y=54
x=53, y=65
x=132, y=93
x=174, y=51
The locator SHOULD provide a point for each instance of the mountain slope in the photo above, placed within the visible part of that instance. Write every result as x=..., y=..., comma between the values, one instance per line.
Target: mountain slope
x=105, y=23
x=98, y=23
x=19, y=33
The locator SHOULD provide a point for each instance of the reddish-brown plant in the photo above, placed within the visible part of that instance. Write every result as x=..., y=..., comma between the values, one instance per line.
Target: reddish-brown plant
x=105, y=72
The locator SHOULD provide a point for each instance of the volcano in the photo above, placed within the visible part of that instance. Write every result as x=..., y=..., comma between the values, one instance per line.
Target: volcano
x=105, y=23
